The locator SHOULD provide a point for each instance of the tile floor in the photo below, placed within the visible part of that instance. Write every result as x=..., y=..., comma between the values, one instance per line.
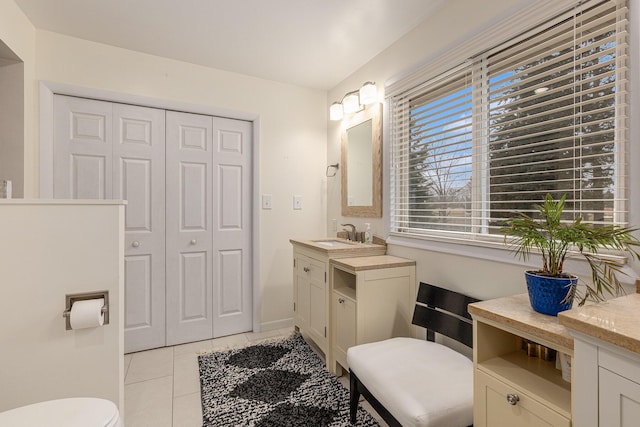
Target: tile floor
x=162, y=387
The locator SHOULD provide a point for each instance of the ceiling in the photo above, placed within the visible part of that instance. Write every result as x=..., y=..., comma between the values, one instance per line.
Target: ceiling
x=310, y=43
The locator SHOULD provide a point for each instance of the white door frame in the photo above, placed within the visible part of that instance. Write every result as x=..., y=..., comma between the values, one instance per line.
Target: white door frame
x=48, y=89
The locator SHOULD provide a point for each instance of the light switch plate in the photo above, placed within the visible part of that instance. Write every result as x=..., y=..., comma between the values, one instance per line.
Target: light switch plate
x=297, y=202
x=266, y=201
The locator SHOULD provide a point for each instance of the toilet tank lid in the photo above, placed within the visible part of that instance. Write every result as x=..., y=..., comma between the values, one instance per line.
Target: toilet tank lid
x=72, y=412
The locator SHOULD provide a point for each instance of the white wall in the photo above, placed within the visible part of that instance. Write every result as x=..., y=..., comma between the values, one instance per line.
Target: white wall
x=291, y=141
x=12, y=125
x=484, y=273
x=48, y=251
x=18, y=34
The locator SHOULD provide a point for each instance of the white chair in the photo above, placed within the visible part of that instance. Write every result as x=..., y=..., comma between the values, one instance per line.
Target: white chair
x=412, y=382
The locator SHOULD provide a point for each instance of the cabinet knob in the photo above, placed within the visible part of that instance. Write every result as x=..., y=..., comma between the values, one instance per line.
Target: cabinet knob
x=135, y=244
x=306, y=269
x=193, y=241
x=341, y=300
x=513, y=399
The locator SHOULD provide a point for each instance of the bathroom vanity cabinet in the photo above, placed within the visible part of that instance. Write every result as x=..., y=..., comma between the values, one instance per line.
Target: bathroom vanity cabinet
x=372, y=299
x=512, y=388
x=311, y=283
x=607, y=362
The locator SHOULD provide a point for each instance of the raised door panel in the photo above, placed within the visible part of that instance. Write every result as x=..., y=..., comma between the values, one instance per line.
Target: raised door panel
x=229, y=298
x=88, y=178
x=193, y=190
x=82, y=148
x=345, y=326
x=138, y=307
x=136, y=188
x=312, y=299
x=317, y=313
x=301, y=292
x=619, y=400
x=193, y=287
x=302, y=305
x=138, y=172
x=232, y=284
x=189, y=227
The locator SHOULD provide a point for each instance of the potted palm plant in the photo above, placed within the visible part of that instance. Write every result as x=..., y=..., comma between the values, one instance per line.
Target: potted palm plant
x=552, y=290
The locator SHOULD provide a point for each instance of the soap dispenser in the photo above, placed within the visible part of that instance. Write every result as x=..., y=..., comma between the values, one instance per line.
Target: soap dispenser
x=368, y=237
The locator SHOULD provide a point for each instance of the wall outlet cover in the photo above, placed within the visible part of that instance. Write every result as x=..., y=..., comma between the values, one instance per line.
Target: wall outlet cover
x=266, y=201
x=297, y=202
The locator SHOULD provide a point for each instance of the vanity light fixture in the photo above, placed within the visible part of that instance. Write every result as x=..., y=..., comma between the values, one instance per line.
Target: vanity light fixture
x=354, y=101
x=351, y=102
x=335, y=111
x=368, y=93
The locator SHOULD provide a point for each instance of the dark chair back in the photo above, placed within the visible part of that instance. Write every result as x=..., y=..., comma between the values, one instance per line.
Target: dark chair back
x=445, y=312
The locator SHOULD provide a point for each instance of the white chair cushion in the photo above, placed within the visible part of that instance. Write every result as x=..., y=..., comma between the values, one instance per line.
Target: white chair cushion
x=420, y=382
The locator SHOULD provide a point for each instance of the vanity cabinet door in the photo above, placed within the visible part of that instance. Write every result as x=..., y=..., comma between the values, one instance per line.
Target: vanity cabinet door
x=317, y=303
x=619, y=403
x=301, y=293
x=344, y=317
x=618, y=387
x=500, y=405
x=311, y=294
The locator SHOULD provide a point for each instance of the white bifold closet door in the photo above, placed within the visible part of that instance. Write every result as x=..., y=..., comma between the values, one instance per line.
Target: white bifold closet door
x=104, y=150
x=232, y=257
x=139, y=178
x=187, y=182
x=189, y=228
x=208, y=227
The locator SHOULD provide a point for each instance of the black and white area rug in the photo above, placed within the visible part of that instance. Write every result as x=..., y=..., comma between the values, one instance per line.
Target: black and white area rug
x=281, y=383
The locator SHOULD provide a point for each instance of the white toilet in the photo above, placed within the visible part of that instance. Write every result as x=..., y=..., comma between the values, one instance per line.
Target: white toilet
x=73, y=412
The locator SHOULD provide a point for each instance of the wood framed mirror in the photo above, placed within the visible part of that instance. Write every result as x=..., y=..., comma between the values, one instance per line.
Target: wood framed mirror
x=362, y=163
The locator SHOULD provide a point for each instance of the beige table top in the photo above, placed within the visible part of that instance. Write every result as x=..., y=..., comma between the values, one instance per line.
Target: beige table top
x=347, y=248
x=616, y=321
x=515, y=311
x=373, y=262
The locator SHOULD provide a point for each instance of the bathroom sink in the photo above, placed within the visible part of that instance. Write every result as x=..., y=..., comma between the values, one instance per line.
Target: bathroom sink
x=337, y=247
x=333, y=243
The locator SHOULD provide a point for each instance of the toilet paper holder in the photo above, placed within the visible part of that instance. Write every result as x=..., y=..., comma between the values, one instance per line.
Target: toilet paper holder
x=83, y=296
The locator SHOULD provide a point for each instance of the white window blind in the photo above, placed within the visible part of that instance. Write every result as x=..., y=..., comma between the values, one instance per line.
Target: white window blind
x=544, y=113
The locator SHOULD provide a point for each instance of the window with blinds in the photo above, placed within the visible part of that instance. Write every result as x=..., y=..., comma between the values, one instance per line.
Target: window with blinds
x=545, y=113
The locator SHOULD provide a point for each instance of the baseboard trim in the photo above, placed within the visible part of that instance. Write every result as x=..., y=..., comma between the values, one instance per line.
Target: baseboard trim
x=276, y=324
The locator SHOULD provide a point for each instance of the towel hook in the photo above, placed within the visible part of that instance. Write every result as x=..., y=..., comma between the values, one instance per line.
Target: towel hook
x=336, y=166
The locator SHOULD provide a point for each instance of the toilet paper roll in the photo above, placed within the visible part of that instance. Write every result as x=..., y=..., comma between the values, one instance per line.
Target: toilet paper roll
x=87, y=314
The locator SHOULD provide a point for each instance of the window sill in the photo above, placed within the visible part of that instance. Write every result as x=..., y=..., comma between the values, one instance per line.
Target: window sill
x=500, y=252
x=490, y=251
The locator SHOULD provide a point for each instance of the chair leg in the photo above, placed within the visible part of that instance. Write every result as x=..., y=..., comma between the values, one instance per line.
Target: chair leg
x=354, y=397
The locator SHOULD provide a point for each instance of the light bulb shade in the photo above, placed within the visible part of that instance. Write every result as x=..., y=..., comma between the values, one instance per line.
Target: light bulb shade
x=368, y=93
x=335, y=111
x=351, y=102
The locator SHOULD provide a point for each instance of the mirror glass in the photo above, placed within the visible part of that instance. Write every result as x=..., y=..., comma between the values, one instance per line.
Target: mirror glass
x=362, y=161
x=359, y=166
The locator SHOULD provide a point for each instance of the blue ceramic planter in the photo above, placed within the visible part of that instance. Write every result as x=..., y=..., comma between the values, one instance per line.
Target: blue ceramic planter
x=546, y=294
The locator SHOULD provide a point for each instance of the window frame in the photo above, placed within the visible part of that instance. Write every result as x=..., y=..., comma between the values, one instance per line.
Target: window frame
x=449, y=241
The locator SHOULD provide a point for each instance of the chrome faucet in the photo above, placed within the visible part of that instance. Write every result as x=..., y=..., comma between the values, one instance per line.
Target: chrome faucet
x=351, y=235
